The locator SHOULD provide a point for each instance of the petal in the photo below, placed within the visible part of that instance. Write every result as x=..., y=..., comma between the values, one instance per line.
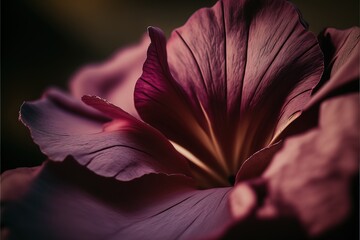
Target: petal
x=341, y=76
x=69, y=202
x=342, y=71
x=230, y=69
x=314, y=178
x=170, y=98
x=15, y=183
x=124, y=148
x=114, y=79
x=255, y=165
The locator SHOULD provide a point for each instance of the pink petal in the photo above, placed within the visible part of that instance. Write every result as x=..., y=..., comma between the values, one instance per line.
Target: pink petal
x=15, y=183
x=256, y=164
x=114, y=79
x=341, y=76
x=124, y=148
x=230, y=69
x=314, y=178
x=69, y=202
x=342, y=71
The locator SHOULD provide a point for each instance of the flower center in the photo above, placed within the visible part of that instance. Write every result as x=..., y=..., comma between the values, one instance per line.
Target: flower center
x=250, y=134
x=222, y=173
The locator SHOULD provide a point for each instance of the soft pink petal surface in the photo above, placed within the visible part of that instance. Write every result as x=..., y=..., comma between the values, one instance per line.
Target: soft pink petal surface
x=124, y=148
x=223, y=74
x=313, y=179
x=114, y=79
x=341, y=75
x=342, y=70
x=68, y=202
x=256, y=164
x=329, y=156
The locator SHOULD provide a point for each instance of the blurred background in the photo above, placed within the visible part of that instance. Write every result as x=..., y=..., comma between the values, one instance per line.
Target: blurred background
x=43, y=42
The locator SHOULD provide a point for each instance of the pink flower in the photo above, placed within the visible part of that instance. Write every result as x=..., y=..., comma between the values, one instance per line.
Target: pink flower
x=227, y=137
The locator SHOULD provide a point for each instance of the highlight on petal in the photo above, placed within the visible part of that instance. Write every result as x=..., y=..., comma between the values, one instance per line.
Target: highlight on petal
x=225, y=73
x=314, y=177
x=68, y=202
x=123, y=148
x=115, y=78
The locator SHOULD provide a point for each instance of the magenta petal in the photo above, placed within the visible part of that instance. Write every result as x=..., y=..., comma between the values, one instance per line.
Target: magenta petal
x=16, y=182
x=114, y=79
x=314, y=171
x=256, y=164
x=124, y=148
x=342, y=48
x=230, y=68
x=158, y=95
x=69, y=202
x=314, y=177
x=341, y=76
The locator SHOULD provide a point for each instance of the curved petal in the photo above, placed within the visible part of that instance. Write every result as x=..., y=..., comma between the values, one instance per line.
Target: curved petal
x=341, y=76
x=68, y=202
x=223, y=74
x=314, y=178
x=342, y=71
x=114, y=79
x=124, y=148
x=255, y=165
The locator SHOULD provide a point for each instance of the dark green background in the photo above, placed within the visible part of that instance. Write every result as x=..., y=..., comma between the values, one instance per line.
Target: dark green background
x=43, y=42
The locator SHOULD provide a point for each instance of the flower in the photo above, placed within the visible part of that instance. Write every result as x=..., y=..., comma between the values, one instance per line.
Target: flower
x=228, y=100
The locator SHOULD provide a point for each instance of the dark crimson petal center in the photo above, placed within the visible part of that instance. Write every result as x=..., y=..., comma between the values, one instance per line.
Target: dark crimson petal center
x=228, y=82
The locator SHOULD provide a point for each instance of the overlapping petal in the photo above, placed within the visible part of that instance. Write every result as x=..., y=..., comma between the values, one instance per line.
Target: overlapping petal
x=124, y=148
x=68, y=202
x=342, y=62
x=341, y=75
x=312, y=180
x=225, y=73
x=219, y=97
x=329, y=156
x=257, y=163
x=114, y=79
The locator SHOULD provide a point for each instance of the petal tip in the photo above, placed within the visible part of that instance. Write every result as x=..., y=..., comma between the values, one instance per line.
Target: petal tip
x=155, y=32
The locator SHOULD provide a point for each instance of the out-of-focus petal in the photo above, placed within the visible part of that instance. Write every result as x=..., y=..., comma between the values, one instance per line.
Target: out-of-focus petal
x=16, y=182
x=314, y=172
x=69, y=202
x=311, y=179
x=223, y=74
x=124, y=148
x=113, y=80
